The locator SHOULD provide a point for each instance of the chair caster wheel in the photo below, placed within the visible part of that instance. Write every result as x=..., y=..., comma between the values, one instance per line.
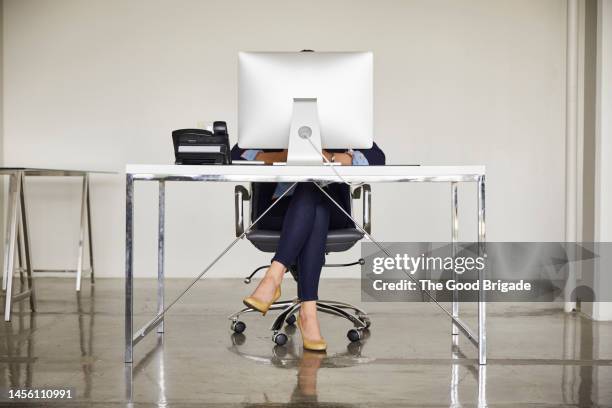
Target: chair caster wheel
x=238, y=326
x=354, y=335
x=279, y=338
x=291, y=320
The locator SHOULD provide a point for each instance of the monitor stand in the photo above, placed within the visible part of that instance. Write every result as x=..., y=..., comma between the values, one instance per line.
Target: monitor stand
x=305, y=134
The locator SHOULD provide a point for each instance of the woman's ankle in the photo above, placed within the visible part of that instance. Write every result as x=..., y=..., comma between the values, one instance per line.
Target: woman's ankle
x=308, y=311
x=276, y=272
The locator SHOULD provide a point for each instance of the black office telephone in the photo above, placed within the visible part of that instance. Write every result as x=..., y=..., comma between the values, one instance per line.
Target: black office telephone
x=200, y=146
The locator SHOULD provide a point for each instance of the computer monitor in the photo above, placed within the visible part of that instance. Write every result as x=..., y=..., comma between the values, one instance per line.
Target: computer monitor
x=305, y=102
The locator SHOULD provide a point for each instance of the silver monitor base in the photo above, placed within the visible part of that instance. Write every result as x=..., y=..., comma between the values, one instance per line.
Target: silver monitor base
x=305, y=134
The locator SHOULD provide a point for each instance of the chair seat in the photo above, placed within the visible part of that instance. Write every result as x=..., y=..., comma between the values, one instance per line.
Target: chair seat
x=337, y=240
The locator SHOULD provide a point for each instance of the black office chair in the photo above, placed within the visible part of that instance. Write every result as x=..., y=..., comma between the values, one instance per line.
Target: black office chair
x=337, y=241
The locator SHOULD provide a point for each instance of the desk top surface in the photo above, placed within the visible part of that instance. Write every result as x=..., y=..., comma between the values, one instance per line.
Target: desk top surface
x=37, y=171
x=246, y=173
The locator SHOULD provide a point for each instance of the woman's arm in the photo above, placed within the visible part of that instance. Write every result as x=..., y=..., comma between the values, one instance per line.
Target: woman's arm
x=344, y=159
x=362, y=157
x=375, y=156
x=272, y=157
x=257, y=154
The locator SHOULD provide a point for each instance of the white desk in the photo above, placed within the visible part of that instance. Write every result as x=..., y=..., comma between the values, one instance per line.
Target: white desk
x=253, y=173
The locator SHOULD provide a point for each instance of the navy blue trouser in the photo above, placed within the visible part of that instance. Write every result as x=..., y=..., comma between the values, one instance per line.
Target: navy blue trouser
x=304, y=219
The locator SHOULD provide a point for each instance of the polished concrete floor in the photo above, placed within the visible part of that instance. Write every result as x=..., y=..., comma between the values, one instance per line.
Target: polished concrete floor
x=538, y=356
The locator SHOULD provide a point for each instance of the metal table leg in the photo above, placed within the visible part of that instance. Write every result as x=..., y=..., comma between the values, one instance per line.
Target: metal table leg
x=79, y=267
x=20, y=253
x=129, y=267
x=25, y=231
x=482, y=386
x=11, y=225
x=454, y=388
x=10, y=241
x=89, y=234
x=455, y=239
x=160, y=252
x=482, y=305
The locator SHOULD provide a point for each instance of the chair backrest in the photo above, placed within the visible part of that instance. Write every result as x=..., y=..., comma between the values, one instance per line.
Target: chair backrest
x=257, y=191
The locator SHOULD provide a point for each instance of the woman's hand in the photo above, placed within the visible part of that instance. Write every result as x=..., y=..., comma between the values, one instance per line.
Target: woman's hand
x=272, y=157
x=345, y=159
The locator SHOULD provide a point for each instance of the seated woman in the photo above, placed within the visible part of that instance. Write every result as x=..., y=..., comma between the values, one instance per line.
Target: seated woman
x=304, y=217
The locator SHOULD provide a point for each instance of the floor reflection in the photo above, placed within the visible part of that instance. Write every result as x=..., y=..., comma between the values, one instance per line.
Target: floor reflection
x=18, y=357
x=478, y=372
x=290, y=355
x=307, y=363
x=556, y=359
x=308, y=369
x=86, y=321
x=131, y=371
x=577, y=385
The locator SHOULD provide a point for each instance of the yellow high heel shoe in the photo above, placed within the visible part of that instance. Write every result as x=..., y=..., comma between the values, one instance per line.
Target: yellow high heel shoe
x=259, y=305
x=313, y=345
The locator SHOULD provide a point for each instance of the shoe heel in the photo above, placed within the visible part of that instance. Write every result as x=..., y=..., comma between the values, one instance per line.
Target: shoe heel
x=311, y=345
x=260, y=306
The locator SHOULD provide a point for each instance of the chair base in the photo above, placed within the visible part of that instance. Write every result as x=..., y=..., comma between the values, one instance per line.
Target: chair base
x=359, y=318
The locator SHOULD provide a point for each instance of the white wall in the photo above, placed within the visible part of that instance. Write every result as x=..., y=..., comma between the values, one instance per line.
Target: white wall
x=98, y=84
x=2, y=211
x=1, y=77
x=603, y=195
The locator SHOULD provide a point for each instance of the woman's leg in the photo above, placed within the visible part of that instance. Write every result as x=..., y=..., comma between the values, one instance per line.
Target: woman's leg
x=296, y=226
x=310, y=263
x=273, y=220
x=312, y=257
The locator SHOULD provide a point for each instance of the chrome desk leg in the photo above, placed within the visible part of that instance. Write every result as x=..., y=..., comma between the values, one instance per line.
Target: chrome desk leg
x=129, y=266
x=482, y=386
x=6, y=240
x=128, y=375
x=454, y=388
x=482, y=305
x=19, y=266
x=455, y=305
x=89, y=235
x=79, y=268
x=455, y=239
x=160, y=252
x=11, y=238
x=12, y=207
x=25, y=230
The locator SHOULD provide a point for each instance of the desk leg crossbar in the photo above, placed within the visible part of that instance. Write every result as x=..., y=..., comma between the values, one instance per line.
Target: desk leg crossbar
x=132, y=339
